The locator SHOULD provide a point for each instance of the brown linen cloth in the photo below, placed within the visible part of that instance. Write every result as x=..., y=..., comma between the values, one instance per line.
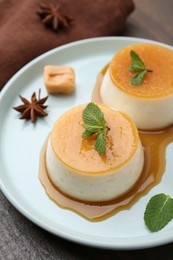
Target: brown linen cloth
x=24, y=37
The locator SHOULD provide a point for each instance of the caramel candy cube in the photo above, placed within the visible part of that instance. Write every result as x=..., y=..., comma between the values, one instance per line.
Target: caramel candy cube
x=59, y=79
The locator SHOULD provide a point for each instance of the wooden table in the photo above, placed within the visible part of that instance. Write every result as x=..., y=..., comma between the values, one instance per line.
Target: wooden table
x=21, y=239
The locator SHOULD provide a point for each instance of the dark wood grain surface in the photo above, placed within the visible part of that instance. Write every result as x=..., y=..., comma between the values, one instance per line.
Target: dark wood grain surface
x=152, y=20
x=21, y=239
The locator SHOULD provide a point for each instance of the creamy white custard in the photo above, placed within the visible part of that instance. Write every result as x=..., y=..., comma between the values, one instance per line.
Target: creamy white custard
x=149, y=104
x=79, y=171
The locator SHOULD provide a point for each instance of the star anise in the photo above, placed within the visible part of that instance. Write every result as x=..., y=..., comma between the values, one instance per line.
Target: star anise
x=53, y=17
x=32, y=110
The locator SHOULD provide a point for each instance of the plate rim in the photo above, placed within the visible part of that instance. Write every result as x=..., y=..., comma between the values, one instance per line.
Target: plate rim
x=27, y=213
x=71, y=44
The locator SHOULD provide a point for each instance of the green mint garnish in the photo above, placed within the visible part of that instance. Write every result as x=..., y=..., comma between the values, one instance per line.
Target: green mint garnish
x=159, y=212
x=138, y=66
x=95, y=123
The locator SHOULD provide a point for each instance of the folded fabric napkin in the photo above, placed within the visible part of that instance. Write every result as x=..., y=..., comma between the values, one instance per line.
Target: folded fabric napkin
x=23, y=36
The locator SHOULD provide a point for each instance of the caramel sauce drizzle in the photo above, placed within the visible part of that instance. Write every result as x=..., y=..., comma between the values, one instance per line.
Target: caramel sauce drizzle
x=154, y=145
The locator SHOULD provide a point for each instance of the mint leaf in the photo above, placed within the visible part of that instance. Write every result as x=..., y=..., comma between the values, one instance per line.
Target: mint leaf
x=93, y=128
x=95, y=123
x=100, y=144
x=93, y=115
x=137, y=63
x=138, y=77
x=86, y=134
x=159, y=212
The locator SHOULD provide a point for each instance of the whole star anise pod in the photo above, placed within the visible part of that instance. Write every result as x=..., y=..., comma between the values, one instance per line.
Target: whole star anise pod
x=53, y=17
x=32, y=110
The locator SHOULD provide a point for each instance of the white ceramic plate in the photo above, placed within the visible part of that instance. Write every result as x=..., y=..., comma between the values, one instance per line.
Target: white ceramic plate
x=21, y=142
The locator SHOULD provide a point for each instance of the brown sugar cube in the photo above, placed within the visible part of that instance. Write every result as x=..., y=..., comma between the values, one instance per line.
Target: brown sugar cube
x=59, y=79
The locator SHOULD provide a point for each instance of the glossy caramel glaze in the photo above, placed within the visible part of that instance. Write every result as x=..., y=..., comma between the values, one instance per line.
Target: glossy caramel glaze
x=156, y=84
x=79, y=154
x=154, y=145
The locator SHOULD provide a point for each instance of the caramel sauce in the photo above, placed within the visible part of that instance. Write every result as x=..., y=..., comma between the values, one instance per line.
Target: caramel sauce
x=154, y=144
x=155, y=85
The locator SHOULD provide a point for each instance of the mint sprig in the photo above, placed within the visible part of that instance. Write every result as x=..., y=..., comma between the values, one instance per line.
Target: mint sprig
x=159, y=212
x=95, y=123
x=137, y=65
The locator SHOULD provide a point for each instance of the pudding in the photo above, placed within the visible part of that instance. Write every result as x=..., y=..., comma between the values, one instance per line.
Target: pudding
x=149, y=104
x=79, y=171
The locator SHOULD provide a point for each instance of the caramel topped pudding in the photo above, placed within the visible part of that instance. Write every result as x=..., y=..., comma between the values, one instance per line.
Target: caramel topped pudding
x=78, y=170
x=152, y=97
